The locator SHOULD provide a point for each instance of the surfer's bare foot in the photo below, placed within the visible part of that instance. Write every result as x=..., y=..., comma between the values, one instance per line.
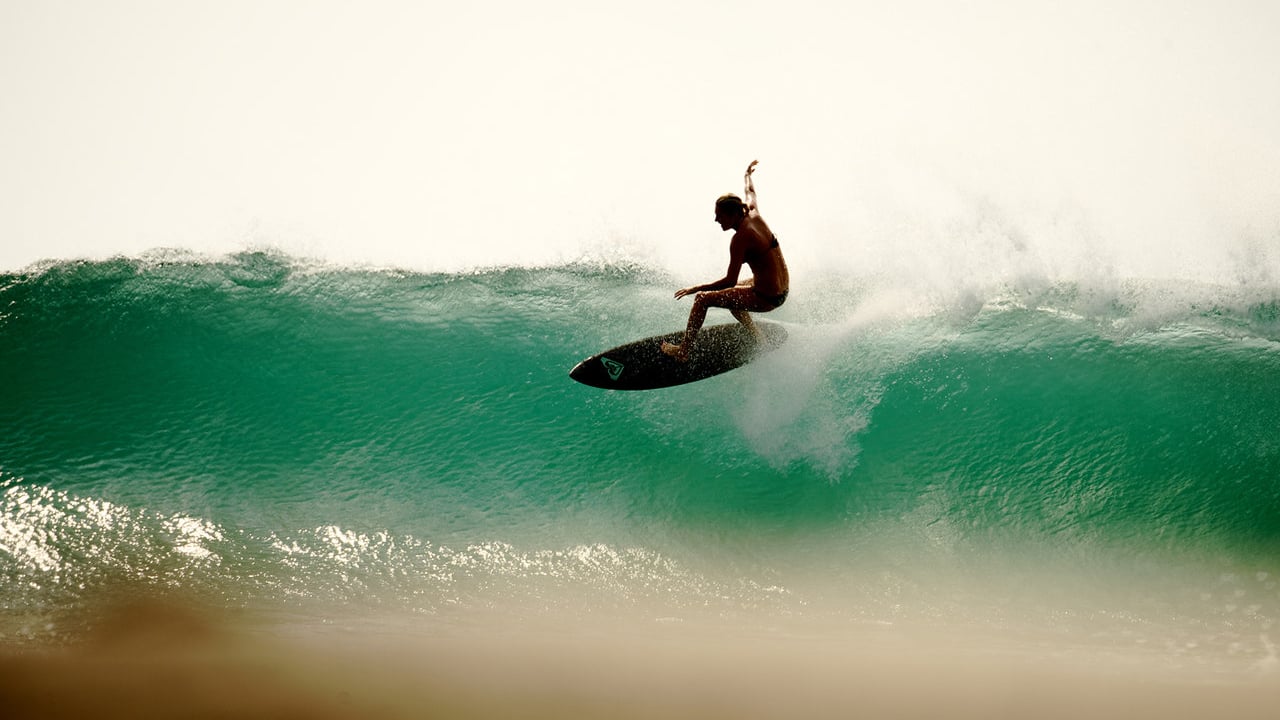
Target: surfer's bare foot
x=676, y=351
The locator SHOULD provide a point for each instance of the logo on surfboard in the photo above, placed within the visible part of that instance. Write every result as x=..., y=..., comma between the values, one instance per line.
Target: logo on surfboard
x=613, y=367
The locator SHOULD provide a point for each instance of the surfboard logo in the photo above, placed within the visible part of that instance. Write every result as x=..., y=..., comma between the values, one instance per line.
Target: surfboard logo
x=613, y=367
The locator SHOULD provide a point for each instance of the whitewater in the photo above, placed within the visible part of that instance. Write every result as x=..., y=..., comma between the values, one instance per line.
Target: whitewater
x=286, y=425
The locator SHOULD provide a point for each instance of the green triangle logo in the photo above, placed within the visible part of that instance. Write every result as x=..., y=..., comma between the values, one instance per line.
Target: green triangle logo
x=613, y=367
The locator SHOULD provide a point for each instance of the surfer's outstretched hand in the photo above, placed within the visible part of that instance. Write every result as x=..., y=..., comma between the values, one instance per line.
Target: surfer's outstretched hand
x=685, y=291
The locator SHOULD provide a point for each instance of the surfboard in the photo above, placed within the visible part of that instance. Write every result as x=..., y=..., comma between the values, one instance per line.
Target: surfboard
x=641, y=365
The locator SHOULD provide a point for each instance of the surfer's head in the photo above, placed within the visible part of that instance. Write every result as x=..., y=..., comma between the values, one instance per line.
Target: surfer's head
x=730, y=210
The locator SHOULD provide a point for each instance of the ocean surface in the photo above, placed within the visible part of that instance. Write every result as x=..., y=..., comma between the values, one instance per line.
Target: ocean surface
x=1083, y=469
x=261, y=432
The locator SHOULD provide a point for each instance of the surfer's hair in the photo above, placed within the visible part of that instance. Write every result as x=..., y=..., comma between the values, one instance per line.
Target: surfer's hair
x=730, y=205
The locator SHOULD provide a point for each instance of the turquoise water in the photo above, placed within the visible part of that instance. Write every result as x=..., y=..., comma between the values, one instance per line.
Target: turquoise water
x=257, y=431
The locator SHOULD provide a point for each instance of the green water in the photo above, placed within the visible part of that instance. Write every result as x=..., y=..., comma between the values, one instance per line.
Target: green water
x=261, y=431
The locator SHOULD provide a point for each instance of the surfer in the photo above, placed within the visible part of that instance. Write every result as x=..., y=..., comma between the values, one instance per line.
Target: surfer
x=752, y=243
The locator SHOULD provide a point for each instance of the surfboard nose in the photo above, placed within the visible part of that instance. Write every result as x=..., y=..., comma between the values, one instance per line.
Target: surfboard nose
x=588, y=372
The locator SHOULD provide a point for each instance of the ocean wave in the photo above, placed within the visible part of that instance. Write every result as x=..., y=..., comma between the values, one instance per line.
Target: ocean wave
x=263, y=375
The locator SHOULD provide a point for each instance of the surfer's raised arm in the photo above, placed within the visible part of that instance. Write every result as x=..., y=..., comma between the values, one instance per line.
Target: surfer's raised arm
x=749, y=192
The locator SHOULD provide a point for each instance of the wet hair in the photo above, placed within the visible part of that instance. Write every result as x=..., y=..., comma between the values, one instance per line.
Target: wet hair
x=730, y=205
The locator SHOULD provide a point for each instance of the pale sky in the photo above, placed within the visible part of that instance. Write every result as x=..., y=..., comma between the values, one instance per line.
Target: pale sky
x=447, y=135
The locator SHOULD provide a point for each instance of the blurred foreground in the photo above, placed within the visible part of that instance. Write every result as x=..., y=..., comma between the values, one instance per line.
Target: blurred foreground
x=162, y=661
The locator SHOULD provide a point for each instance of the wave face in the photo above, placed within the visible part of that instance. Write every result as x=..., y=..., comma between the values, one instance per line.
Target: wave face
x=262, y=432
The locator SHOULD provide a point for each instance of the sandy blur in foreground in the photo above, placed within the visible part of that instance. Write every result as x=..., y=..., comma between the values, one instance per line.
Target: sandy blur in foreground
x=163, y=661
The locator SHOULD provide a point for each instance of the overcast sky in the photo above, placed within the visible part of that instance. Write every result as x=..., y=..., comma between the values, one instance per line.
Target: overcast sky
x=443, y=134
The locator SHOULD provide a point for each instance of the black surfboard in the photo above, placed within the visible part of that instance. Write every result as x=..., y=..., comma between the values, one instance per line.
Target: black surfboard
x=642, y=365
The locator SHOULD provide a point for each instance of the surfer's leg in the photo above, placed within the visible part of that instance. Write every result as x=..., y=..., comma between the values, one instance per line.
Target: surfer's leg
x=742, y=298
x=744, y=317
x=697, y=315
x=737, y=300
